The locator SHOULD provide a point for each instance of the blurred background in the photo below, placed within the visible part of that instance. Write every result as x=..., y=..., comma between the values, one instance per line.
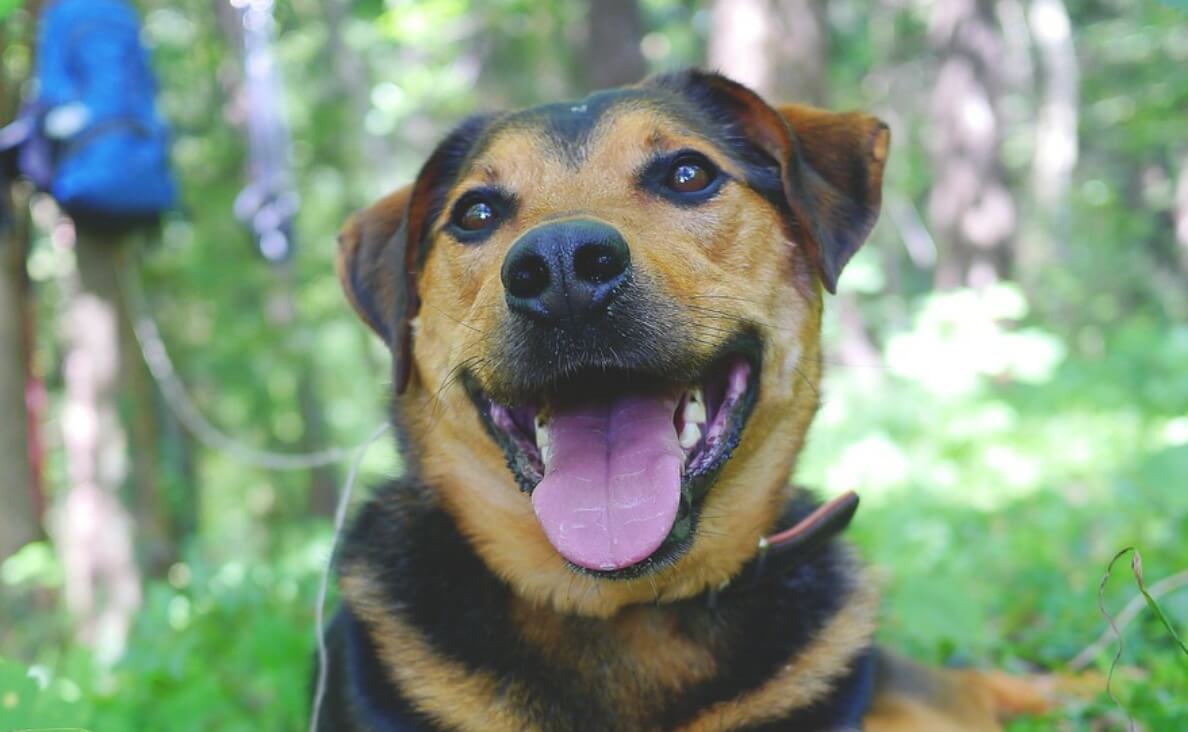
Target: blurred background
x=1007, y=358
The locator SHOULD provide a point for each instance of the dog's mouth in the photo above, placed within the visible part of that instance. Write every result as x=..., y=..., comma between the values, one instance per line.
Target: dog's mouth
x=618, y=462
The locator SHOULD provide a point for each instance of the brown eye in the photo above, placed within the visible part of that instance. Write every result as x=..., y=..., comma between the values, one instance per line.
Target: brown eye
x=690, y=175
x=476, y=216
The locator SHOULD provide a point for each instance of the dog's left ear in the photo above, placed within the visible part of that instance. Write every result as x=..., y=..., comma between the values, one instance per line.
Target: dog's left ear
x=833, y=177
x=831, y=164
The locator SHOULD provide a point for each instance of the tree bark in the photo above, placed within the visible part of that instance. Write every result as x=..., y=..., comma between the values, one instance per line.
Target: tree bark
x=1180, y=215
x=19, y=519
x=799, y=52
x=20, y=494
x=738, y=42
x=1055, y=136
x=972, y=211
x=612, y=53
x=779, y=48
x=157, y=539
x=323, y=479
x=93, y=530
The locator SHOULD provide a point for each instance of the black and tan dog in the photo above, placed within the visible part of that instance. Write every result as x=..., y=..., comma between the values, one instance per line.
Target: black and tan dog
x=604, y=318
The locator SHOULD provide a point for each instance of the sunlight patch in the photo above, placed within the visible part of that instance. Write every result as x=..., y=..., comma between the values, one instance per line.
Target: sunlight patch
x=964, y=338
x=873, y=464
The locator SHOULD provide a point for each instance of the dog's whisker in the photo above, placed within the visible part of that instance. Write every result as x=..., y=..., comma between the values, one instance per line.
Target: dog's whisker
x=736, y=298
x=455, y=320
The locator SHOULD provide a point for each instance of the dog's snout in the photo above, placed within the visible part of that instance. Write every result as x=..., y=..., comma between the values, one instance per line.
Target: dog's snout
x=567, y=272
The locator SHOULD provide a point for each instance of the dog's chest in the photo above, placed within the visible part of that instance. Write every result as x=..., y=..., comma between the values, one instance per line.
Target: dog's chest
x=440, y=639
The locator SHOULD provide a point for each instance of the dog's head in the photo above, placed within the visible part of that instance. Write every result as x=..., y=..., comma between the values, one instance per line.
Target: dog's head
x=604, y=319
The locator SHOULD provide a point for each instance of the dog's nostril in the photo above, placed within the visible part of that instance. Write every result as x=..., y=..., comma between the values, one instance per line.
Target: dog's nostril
x=600, y=262
x=529, y=277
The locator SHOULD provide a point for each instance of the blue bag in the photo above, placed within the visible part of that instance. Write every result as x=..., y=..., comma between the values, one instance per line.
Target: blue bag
x=95, y=104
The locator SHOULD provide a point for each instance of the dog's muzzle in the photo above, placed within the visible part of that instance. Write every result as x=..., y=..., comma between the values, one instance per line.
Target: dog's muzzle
x=612, y=423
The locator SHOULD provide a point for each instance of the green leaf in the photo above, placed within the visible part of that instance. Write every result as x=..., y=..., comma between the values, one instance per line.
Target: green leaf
x=7, y=8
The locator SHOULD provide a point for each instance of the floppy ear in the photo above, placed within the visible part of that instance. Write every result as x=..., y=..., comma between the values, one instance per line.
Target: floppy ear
x=370, y=267
x=382, y=248
x=365, y=263
x=831, y=164
x=835, y=189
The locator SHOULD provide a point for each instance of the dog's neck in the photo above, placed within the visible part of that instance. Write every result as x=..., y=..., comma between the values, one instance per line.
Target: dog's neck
x=421, y=593
x=779, y=552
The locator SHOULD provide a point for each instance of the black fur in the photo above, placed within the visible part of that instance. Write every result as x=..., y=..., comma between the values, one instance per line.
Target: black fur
x=436, y=584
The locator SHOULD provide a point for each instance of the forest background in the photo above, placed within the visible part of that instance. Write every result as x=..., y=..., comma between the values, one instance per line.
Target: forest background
x=1007, y=359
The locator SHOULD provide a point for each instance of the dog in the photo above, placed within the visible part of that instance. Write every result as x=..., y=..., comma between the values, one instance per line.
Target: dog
x=604, y=318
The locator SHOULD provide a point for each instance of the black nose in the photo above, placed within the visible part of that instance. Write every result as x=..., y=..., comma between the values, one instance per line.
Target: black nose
x=566, y=273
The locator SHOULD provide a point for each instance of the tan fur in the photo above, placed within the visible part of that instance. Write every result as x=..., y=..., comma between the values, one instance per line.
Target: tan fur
x=913, y=697
x=454, y=695
x=640, y=644
x=725, y=263
x=728, y=261
x=642, y=659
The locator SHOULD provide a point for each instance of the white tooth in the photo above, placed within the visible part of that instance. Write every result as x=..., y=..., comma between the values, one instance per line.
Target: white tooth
x=694, y=409
x=690, y=436
x=544, y=441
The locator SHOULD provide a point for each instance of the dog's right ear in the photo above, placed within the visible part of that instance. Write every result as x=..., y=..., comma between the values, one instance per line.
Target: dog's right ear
x=382, y=248
x=368, y=261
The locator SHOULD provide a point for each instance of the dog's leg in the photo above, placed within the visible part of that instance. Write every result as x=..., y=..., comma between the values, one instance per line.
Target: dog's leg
x=911, y=697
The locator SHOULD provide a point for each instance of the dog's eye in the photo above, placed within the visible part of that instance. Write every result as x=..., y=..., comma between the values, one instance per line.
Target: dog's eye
x=690, y=174
x=474, y=215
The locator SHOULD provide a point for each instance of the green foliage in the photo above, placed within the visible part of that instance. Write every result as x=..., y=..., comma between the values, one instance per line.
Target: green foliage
x=226, y=647
x=1015, y=440
x=8, y=7
x=994, y=497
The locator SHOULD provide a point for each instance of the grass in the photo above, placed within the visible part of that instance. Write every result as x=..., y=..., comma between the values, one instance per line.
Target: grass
x=1001, y=469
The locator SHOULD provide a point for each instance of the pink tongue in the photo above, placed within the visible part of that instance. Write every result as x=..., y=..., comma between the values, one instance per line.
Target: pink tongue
x=612, y=480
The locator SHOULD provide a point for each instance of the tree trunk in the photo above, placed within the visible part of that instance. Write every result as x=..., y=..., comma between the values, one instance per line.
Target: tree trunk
x=20, y=494
x=799, y=52
x=738, y=42
x=971, y=209
x=157, y=540
x=1180, y=215
x=94, y=532
x=1055, y=137
x=779, y=48
x=323, y=480
x=19, y=519
x=612, y=53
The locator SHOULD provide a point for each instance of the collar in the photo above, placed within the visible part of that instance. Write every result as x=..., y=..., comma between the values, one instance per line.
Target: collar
x=778, y=552
x=785, y=548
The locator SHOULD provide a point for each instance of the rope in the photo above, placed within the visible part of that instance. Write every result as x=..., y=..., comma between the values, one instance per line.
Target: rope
x=344, y=500
x=152, y=348
x=160, y=365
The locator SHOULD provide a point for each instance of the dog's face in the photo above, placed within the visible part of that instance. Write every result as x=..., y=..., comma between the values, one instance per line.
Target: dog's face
x=604, y=319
